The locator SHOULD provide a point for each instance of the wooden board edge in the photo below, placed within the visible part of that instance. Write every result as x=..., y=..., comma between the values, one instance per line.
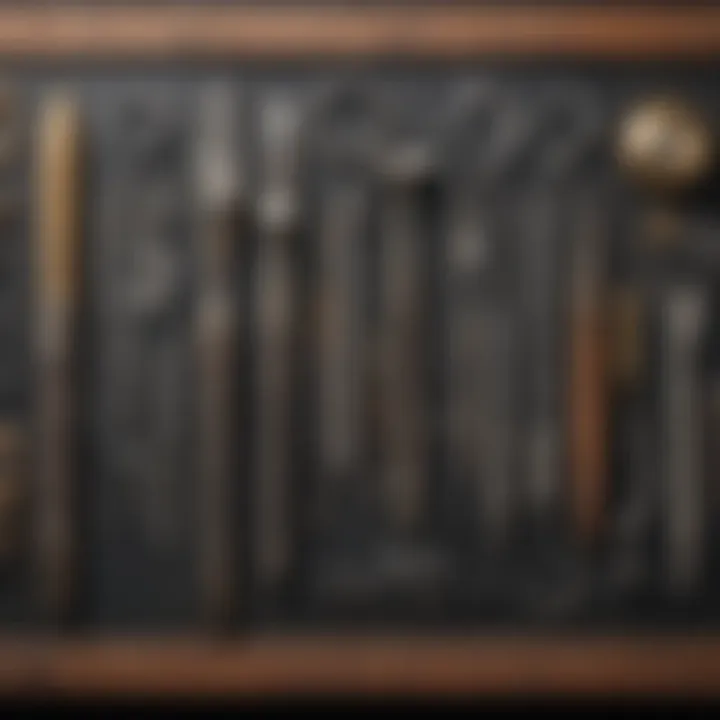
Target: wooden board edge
x=292, y=32
x=362, y=667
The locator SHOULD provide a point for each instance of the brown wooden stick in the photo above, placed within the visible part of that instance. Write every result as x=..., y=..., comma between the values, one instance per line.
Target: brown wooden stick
x=13, y=486
x=58, y=292
x=588, y=388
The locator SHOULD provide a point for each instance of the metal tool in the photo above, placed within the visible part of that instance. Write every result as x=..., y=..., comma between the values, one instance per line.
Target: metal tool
x=665, y=145
x=279, y=212
x=344, y=147
x=496, y=426
x=404, y=434
x=343, y=214
x=563, y=152
x=58, y=288
x=220, y=190
x=683, y=319
x=467, y=267
x=628, y=386
x=147, y=286
x=488, y=136
x=541, y=298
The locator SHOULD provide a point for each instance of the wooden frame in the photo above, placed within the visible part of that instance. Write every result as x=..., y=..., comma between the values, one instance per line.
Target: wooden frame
x=427, y=31
x=175, y=668
x=251, y=666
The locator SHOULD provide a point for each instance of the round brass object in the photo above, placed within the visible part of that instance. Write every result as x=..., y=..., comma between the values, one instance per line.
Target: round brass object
x=665, y=145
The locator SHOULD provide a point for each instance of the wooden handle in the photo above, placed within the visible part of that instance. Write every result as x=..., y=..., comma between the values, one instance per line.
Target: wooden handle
x=58, y=291
x=588, y=392
x=59, y=190
x=13, y=488
x=589, y=419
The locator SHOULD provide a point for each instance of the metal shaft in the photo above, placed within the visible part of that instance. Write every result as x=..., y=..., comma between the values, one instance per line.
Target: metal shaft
x=219, y=194
x=340, y=331
x=280, y=122
x=541, y=314
x=403, y=407
x=480, y=359
x=683, y=319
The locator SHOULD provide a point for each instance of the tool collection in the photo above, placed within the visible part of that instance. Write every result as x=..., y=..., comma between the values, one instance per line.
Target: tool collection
x=498, y=365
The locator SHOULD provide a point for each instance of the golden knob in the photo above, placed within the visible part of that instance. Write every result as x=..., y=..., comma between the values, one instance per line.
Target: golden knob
x=665, y=145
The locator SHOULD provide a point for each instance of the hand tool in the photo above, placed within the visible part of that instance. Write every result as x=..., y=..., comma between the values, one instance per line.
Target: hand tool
x=220, y=190
x=58, y=288
x=344, y=145
x=570, y=121
x=665, y=145
x=588, y=392
x=683, y=319
x=406, y=164
x=279, y=215
x=145, y=330
x=487, y=138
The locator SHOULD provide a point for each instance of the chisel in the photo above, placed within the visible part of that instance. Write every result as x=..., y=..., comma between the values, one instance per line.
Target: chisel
x=683, y=319
x=280, y=122
x=220, y=189
x=402, y=397
x=340, y=358
x=480, y=326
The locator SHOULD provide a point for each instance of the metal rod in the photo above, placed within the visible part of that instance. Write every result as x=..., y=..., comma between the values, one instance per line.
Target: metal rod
x=480, y=358
x=220, y=193
x=279, y=210
x=402, y=401
x=541, y=318
x=343, y=209
x=683, y=319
